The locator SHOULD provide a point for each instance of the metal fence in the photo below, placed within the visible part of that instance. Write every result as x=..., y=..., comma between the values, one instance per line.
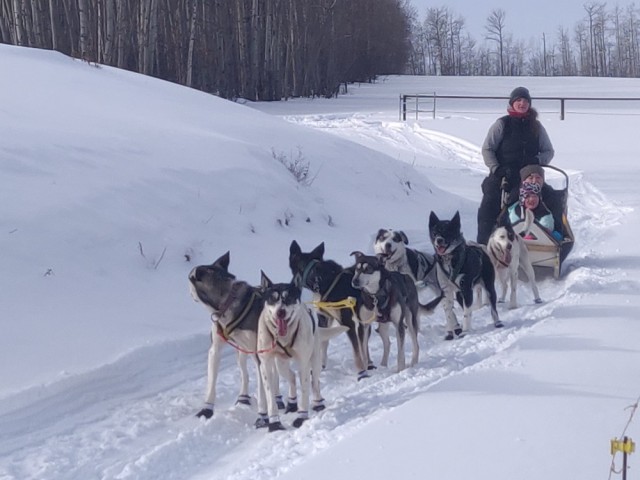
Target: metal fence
x=427, y=103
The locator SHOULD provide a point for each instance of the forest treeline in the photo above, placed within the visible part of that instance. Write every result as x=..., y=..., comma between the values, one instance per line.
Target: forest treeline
x=275, y=49
x=255, y=49
x=602, y=42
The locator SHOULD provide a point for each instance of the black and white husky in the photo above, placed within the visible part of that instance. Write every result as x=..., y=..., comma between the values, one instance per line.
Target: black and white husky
x=463, y=269
x=509, y=253
x=235, y=307
x=330, y=282
x=391, y=247
x=391, y=297
x=288, y=331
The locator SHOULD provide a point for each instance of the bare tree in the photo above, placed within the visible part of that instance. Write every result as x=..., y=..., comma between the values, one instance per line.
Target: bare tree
x=495, y=32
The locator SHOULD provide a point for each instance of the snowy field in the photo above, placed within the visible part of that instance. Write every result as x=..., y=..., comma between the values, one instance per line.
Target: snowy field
x=114, y=185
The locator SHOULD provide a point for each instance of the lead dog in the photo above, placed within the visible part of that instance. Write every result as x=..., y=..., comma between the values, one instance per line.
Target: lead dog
x=391, y=297
x=235, y=307
x=391, y=247
x=287, y=331
x=463, y=269
x=508, y=252
x=329, y=282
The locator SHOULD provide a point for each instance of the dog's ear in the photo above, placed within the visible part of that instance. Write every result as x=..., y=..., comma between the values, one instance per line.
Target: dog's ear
x=501, y=221
x=404, y=237
x=433, y=219
x=294, y=248
x=381, y=232
x=265, y=282
x=223, y=261
x=318, y=252
x=455, y=221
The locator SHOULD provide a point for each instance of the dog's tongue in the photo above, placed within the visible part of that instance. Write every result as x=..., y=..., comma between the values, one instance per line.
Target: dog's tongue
x=441, y=249
x=507, y=257
x=281, y=324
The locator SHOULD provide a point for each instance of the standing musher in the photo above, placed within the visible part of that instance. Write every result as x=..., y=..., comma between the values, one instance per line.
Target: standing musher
x=514, y=141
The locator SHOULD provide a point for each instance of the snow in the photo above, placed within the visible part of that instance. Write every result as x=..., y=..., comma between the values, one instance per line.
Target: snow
x=114, y=185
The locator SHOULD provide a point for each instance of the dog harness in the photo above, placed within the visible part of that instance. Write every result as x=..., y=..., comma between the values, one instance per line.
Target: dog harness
x=323, y=305
x=455, y=269
x=227, y=329
x=307, y=270
x=496, y=254
x=285, y=348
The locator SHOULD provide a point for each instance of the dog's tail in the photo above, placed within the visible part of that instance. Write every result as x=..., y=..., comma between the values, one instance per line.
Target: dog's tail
x=327, y=333
x=430, y=307
x=528, y=221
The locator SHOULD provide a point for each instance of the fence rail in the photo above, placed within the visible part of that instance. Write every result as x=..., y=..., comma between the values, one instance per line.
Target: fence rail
x=432, y=98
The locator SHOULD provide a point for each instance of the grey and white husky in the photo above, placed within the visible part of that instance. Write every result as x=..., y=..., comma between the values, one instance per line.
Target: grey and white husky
x=390, y=297
x=235, y=307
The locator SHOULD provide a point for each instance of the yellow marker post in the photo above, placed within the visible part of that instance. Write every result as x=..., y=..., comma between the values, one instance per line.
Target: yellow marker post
x=627, y=447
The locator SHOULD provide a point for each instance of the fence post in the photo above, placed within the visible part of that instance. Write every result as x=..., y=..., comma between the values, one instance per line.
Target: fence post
x=404, y=107
x=434, y=105
x=562, y=109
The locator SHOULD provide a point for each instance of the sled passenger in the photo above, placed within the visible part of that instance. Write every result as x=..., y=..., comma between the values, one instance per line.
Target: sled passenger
x=529, y=199
x=514, y=141
x=550, y=197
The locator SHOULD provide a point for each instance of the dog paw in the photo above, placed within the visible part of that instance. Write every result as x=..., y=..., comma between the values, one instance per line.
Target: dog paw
x=262, y=421
x=538, y=300
x=371, y=366
x=206, y=413
x=297, y=423
x=363, y=374
x=275, y=426
x=459, y=333
x=498, y=324
x=279, y=402
x=449, y=336
x=319, y=406
x=243, y=400
x=291, y=407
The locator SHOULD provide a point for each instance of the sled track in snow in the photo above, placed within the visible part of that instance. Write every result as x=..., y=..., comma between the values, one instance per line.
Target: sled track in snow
x=145, y=403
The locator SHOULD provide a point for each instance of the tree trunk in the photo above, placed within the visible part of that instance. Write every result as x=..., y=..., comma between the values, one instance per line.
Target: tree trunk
x=83, y=15
x=53, y=26
x=18, y=16
x=192, y=42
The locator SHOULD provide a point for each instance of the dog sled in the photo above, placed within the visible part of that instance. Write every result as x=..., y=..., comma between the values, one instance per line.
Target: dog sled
x=545, y=251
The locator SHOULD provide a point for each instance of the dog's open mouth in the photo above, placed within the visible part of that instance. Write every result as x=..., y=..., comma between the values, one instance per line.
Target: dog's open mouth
x=281, y=323
x=441, y=249
x=387, y=254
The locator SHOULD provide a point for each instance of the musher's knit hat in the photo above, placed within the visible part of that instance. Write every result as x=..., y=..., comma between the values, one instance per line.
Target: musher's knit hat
x=519, y=92
x=529, y=169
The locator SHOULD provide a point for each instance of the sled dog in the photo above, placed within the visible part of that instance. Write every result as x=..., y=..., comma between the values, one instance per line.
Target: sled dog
x=463, y=269
x=288, y=331
x=329, y=282
x=392, y=298
x=508, y=253
x=391, y=247
x=235, y=307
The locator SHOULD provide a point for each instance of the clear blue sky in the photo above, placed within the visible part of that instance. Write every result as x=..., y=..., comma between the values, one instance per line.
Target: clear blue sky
x=523, y=19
